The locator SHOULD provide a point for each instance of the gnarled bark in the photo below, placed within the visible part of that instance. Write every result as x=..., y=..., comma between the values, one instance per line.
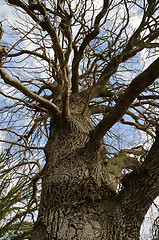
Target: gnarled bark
x=78, y=198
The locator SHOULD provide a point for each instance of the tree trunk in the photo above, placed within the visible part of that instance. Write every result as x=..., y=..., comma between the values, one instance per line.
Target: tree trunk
x=77, y=201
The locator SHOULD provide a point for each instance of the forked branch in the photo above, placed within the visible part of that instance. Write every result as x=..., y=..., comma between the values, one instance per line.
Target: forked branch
x=89, y=37
x=142, y=81
x=51, y=107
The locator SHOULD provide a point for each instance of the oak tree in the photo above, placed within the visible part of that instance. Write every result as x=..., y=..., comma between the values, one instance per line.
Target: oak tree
x=79, y=117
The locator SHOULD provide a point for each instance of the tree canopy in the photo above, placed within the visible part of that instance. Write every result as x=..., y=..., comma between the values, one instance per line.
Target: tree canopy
x=54, y=55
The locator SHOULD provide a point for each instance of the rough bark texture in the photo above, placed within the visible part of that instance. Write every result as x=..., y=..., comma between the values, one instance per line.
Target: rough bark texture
x=78, y=200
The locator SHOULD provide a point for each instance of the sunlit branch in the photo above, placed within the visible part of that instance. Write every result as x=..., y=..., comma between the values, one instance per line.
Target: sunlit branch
x=53, y=109
x=47, y=26
x=90, y=92
x=27, y=104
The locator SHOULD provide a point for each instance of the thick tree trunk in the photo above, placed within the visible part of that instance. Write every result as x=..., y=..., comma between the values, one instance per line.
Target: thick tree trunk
x=77, y=201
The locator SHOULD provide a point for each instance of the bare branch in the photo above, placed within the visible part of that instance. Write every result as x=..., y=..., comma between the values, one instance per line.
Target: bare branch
x=47, y=26
x=137, y=126
x=89, y=37
x=53, y=109
x=33, y=106
x=21, y=145
x=99, y=109
x=141, y=82
x=19, y=165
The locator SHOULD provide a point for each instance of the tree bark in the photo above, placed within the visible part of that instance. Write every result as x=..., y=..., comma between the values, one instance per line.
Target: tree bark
x=77, y=200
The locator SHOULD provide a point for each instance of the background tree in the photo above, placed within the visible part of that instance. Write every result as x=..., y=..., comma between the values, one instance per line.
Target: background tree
x=13, y=207
x=79, y=106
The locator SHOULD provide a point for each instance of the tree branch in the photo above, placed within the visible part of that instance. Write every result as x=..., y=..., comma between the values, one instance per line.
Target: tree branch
x=99, y=109
x=89, y=37
x=141, y=82
x=141, y=187
x=47, y=26
x=133, y=46
x=115, y=166
x=20, y=165
x=21, y=145
x=29, y=105
x=137, y=126
x=52, y=108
